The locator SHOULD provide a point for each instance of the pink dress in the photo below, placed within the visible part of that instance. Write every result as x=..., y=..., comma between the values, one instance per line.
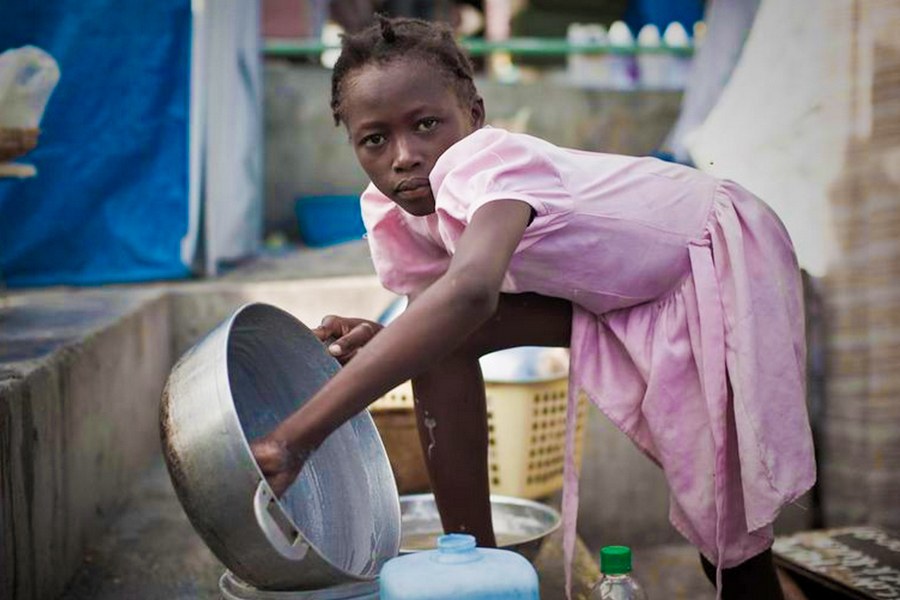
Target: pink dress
x=688, y=326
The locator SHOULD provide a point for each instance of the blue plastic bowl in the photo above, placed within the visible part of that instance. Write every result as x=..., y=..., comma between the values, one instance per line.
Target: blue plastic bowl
x=328, y=220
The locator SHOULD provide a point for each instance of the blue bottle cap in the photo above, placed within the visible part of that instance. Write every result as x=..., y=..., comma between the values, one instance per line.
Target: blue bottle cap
x=456, y=542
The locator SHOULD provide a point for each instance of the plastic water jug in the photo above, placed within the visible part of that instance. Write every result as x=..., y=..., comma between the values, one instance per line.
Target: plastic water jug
x=458, y=570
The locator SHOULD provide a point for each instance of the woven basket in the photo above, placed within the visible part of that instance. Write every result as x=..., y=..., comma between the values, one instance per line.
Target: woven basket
x=16, y=142
x=526, y=436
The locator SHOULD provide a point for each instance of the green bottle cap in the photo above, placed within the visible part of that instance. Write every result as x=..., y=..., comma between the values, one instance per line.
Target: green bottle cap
x=615, y=560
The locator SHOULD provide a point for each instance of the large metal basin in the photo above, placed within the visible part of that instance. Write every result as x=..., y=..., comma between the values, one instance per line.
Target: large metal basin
x=337, y=523
x=520, y=525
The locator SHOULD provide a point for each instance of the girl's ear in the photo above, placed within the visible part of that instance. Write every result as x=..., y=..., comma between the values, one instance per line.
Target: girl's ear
x=478, y=113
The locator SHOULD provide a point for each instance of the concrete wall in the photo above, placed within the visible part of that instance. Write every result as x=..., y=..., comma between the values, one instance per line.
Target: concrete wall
x=307, y=155
x=79, y=397
x=197, y=309
x=625, y=498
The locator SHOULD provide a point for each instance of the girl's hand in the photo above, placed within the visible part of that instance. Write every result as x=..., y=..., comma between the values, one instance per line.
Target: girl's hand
x=279, y=466
x=345, y=336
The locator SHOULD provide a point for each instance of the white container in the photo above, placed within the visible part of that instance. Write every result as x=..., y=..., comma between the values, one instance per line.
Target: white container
x=598, y=63
x=651, y=62
x=622, y=66
x=28, y=76
x=676, y=37
x=577, y=64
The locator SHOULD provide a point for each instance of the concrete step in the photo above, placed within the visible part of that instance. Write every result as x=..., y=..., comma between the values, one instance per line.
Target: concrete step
x=150, y=551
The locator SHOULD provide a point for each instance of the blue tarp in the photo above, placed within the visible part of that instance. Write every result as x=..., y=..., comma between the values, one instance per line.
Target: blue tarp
x=663, y=12
x=110, y=202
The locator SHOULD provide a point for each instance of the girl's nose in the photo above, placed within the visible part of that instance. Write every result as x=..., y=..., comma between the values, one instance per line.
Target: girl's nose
x=406, y=157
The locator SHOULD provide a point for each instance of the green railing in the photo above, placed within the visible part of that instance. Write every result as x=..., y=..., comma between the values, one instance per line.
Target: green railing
x=479, y=47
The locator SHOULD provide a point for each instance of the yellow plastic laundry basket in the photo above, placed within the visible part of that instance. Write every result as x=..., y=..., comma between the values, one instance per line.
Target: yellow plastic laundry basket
x=526, y=429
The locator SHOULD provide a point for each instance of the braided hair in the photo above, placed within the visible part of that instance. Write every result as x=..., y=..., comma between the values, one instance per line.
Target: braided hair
x=390, y=39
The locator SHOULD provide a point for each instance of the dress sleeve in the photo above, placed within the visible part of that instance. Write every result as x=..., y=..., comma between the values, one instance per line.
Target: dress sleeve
x=493, y=164
x=405, y=256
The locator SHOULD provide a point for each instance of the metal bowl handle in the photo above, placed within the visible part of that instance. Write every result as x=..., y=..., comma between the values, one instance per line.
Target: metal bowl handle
x=277, y=525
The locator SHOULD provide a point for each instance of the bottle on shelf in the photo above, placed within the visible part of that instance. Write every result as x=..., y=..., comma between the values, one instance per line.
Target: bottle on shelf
x=623, y=63
x=651, y=62
x=676, y=39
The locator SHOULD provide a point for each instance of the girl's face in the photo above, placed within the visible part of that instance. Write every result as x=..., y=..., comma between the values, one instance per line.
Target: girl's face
x=401, y=117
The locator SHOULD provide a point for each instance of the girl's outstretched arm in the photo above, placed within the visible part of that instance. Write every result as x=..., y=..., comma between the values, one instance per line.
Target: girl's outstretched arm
x=440, y=319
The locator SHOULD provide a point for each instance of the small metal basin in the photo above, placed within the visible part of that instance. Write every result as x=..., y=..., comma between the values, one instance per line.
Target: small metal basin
x=519, y=525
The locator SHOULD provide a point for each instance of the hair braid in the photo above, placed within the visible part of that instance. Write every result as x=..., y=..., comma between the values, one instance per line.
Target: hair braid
x=390, y=39
x=387, y=31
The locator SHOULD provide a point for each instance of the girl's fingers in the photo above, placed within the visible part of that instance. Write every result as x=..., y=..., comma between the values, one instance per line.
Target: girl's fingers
x=345, y=358
x=331, y=328
x=278, y=465
x=355, y=339
x=269, y=456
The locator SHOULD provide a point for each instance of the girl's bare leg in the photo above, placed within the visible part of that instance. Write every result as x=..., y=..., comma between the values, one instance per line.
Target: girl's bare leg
x=452, y=419
x=753, y=579
x=452, y=415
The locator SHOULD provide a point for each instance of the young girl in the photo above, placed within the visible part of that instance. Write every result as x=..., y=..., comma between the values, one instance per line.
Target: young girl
x=678, y=294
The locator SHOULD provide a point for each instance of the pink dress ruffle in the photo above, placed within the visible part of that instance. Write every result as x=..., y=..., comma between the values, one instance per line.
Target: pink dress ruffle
x=687, y=331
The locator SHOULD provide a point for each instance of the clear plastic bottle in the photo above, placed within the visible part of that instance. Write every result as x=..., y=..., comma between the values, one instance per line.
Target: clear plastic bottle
x=617, y=582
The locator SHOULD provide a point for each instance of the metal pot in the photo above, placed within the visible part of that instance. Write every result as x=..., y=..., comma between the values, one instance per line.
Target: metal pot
x=339, y=521
x=232, y=588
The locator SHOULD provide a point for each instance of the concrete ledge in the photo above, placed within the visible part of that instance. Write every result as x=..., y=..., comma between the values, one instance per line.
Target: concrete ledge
x=196, y=309
x=78, y=407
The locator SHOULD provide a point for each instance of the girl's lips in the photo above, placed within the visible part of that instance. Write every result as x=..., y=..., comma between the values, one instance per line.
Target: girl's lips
x=413, y=188
x=412, y=184
x=415, y=193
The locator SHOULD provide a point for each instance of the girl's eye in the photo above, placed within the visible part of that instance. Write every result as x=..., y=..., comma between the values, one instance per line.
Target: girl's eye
x=426, y=124
x=373, y=141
